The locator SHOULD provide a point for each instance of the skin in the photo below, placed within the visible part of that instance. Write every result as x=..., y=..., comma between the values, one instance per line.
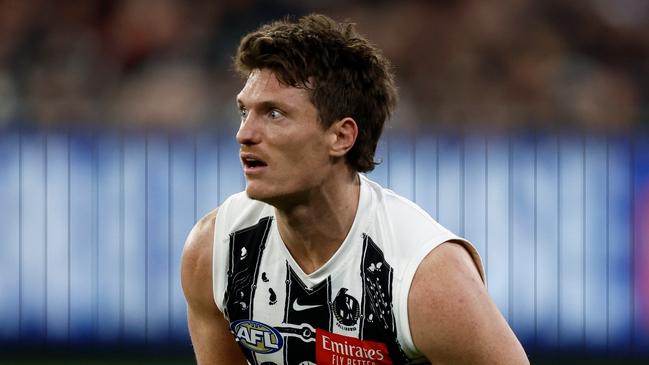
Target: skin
x=213, y=343
x=315, y=195
x=463, y=325
x=306, y=179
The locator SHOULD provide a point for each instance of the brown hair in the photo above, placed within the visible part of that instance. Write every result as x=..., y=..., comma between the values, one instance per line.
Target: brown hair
x=346, y=75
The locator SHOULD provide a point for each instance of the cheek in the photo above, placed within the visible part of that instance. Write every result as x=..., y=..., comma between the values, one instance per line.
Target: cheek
x=309, y=154
x=304, y=164
x=303, y=149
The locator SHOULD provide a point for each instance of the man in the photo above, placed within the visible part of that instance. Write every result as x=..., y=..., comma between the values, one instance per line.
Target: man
x=314, y=263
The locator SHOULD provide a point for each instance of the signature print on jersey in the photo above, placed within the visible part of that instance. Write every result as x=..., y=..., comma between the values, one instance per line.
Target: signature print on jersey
x=346, y=309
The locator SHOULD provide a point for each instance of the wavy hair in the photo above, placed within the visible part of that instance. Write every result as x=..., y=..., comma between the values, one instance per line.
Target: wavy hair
x=345, y=75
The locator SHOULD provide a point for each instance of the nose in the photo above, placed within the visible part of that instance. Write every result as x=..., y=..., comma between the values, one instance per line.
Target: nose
x=248, y=133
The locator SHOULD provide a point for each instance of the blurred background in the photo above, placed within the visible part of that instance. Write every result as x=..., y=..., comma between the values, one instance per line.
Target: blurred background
x=522, y=125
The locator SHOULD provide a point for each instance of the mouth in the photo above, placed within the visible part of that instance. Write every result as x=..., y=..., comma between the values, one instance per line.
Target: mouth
x=252, y=163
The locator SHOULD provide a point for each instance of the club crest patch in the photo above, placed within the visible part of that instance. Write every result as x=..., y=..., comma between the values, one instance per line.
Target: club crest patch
x=346, y=309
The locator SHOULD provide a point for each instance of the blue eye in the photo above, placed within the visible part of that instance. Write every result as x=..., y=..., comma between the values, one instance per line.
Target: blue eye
x=274, y=114
x=244, y=113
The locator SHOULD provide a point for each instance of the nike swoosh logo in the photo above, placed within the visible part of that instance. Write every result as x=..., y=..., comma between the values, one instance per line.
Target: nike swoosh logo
x=299, y=307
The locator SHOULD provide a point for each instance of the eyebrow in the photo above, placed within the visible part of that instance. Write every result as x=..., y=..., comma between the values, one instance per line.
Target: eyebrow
x=268, y=104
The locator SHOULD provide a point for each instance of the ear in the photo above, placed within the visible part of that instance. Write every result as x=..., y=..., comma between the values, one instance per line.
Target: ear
x=343, y=135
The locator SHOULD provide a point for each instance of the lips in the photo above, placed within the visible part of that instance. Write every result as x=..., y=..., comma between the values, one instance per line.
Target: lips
x=252, y=162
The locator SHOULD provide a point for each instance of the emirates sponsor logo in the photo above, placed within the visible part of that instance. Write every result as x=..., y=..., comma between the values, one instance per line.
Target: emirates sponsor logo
x=333, y=349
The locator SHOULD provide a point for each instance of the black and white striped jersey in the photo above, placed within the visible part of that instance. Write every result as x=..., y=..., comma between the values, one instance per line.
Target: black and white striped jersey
x=351, y=311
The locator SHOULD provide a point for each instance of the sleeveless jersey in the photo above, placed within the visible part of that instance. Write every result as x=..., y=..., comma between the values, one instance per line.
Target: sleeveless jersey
x=352, y=310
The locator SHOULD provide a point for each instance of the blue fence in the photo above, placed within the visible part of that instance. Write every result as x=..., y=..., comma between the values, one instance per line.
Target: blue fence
x=92, y=227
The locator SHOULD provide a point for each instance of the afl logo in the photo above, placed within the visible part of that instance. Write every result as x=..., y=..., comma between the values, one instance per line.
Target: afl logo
x=256, y=336
x=346, y=308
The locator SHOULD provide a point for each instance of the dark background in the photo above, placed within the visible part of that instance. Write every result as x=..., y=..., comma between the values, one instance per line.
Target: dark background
x=522, y=125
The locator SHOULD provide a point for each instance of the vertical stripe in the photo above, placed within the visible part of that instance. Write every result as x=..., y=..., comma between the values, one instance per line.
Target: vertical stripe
x=608, y=241
x=246, y=248
x=240, y=281
x=510, y=232
x=486, y=204
x=122, y=236
x=329, y=304
x=361, y=325
x=287, y=302
x=437, y=177
x=69, y=232
x=536, y=248
x=146, y=237
x=45, y=242
x=194, y=150
x=95, y=212
x=559, y=233
x=377, y=299
x=219, y=167
x=387, y=151
x=462, y=184
x=583, y=242
x=170, y=235
x=262, y=246
x=393, y=323
x=413, y=160
x=21, y=199
x=634, y=252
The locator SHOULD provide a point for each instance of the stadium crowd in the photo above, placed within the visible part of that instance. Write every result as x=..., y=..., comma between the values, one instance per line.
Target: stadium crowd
x=503, y=64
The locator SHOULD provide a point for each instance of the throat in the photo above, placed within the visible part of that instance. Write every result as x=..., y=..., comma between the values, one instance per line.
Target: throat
x=313, y=242
x=311, y=258
x=314, y=231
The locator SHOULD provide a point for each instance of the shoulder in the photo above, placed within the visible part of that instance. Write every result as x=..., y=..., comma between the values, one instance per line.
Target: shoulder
x=236, y=212
x=196, y=262
x=395, y=204
x=447, y=269
x=239, y=211
x=208, y=328
x=407, y=222
x=463, y=324
x=443, y=282
x=199, y=240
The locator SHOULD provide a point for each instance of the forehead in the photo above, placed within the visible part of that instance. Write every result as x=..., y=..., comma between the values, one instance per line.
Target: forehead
x=263, y=86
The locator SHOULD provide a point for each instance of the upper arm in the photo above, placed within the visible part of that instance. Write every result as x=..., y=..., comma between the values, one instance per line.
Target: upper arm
x=212, y=340
x=462, y=324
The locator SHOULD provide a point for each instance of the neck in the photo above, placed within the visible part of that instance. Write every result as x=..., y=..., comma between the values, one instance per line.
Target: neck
x=316, y=227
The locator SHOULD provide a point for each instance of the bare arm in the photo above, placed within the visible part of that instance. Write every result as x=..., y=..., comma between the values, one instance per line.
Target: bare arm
x=212, y=340
x=452, y=318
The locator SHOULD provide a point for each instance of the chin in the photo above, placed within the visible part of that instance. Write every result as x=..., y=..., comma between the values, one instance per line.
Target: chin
x=252, y=193
x=272, y=196
x=259, y=193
